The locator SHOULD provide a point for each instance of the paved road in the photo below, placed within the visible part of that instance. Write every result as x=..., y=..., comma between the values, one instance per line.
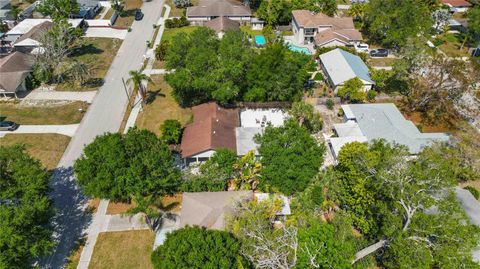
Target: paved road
x=104, y=115
x=68, y=129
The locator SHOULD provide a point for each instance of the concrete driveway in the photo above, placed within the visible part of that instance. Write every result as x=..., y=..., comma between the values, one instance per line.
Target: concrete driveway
x=106, y=32
x=68, y=130
x=61, y=95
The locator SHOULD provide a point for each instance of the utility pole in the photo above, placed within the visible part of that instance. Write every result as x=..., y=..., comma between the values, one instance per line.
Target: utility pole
x=126, y=92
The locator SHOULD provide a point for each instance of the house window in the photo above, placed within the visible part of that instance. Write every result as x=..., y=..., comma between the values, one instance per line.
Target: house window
x=309, y=31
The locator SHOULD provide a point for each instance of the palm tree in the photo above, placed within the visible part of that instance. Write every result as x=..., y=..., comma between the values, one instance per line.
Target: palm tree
x=79, y=72
x=137, y=78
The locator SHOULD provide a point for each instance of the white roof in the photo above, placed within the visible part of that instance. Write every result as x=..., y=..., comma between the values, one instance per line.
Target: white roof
x=28, y=43
x=338, y=142
x=26, y=25
x=342, y=66
x=245, y=142
x=349, y=128
x=260, y=117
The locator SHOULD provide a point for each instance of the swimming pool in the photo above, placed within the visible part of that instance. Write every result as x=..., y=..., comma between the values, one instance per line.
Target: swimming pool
x=299, y=49
x=260, y=40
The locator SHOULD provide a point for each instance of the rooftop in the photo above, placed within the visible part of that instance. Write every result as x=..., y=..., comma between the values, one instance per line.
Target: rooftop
x=13, y=68
x=308, y=19
x=342, y=66
x=222, y=24
x=457, y=3
x=217, y=8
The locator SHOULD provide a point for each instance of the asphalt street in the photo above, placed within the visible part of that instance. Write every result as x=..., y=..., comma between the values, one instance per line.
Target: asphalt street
x=104, y=115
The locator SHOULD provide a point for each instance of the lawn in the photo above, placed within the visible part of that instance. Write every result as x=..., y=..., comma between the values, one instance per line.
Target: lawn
x=64, y=114
x=126, y=19
x=248, y=30
x=178, y=12
x=452, y=44
x=123, y=250
x=161, y=107
x=168, y=34
x=384, y=61
x=48, y=148
x=97, y=54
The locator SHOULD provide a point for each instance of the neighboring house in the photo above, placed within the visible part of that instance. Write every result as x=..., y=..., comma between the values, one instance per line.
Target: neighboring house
x=367, y=122
x=208, y=209
x=29, y=41
x=88, y=9
x=322, y=30
x=5, y=8
x=210, y=9
x=222, y=24
x=257, y=24
x=14, y=69
x=457, y=5
x=340, y=66
x=213, y=127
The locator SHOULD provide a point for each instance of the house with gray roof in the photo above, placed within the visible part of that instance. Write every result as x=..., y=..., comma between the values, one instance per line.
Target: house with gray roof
x=14, y=69
x=368, y=122
x=210, y=9
x=340, y=66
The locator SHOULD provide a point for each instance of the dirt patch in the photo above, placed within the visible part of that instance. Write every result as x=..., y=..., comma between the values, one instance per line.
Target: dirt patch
x=119, y=208
x=417, y=119
x=173, y=203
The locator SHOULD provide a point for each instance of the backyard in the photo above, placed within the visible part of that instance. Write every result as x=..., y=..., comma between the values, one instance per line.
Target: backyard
x=97, y=54
x=123, y=250
x=61, y=114
x=47, y=148
x=451, y=43
x=161, y=106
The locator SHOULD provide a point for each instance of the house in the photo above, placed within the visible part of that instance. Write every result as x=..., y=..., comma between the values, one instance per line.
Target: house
x=257, y=24
x=340, y=66
x=367, y=122
x=15, y=69
x=210, y=9
x=208, y=209
x=222, y=24
x=322, y=30
x=29, y=41
x=457, y=5
x=213, y=127
x=5, y=14
x=88, y=9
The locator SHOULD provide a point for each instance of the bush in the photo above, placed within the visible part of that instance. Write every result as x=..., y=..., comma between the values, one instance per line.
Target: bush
x=371, y=94
x=195, y=247
x=176, y=22
x=182, y=3
x=437, y=42
x=318, y=76
x=329, y=104
x=161, y=50
x=171, y=131
x=473, y=191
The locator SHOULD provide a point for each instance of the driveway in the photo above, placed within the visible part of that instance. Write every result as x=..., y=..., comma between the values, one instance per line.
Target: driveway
x=106, y=32
x=68, y=130
x=61, y=95
x=105, y=114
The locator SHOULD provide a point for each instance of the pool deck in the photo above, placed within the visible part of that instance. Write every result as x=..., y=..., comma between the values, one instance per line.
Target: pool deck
x=290, y=40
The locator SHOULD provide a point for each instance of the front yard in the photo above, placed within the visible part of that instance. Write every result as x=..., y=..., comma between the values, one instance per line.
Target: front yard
x=48, y=148
x=168, y=34
x=161, y=107
x=123, y=250
x=178, y=12
x=126, y=19
x=97, y=54
x=44, y=115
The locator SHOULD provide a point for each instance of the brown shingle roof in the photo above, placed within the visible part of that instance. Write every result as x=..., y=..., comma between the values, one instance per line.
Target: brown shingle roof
x=342, y=35
x=36, y=32
x=213, y=127
x=457, y=3
x=13, y=69
x=308, y=19
x=217, y=8
x=207, y=209
x=222, y=24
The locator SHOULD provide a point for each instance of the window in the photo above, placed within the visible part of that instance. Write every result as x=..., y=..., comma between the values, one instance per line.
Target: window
x=309, y=31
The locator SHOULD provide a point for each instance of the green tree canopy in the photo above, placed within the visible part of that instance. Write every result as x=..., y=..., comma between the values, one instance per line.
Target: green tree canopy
x=120, y=167
x=25, y=209
x=171, y=131
x=58, y=9
x=290, y=156
x=306, y=116
x=194, y=247
x=392, y=22
x=352, y=90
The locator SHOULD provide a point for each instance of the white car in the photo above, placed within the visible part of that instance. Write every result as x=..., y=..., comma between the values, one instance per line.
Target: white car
x=361, y=47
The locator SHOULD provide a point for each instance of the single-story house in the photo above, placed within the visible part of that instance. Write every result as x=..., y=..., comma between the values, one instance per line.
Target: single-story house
x=208, y=209
x=210, y=9
x=322, y=30
x=340, y=66
x=88, y=9
x=457, y=5
x=15, y=68
x=367, y=122
x=213, y=127
x=31, y=40
x=222, y=24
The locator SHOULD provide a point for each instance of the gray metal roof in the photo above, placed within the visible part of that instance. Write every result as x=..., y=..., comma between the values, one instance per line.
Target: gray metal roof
x=245, y=141
x=342, y=66
x=384, y=121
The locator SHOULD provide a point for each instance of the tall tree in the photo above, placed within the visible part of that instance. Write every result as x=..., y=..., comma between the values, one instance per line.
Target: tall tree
x=247, y=172
x=290, y=156
x=26, y=210
x=306, y=116
x=137, y=78
x=352, y=90
x=58, y=9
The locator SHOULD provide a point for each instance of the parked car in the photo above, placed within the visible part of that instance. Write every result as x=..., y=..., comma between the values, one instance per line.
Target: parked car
x=138, y=15
x=361, y=47
x=8, y=126
x=379, y=53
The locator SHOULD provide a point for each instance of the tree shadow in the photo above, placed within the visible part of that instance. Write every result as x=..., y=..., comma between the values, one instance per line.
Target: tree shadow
x=93, y=82
x=152, y=95
x=85, y=49
x=128, y=13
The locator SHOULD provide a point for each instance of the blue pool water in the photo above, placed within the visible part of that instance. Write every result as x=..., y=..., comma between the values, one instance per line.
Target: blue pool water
x=260, y=40
x=299, y=49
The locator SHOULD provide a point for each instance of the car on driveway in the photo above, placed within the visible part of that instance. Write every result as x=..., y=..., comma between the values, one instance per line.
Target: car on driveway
x=379, y=53
x=8, y=126
x=138, y=15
